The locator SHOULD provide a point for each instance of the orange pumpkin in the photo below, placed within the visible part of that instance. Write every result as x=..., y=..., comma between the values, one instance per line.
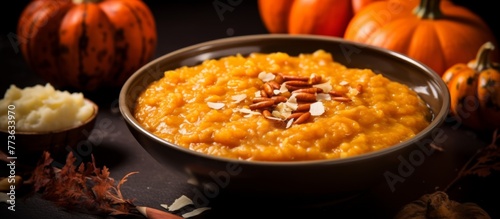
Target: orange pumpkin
x=322, y=17
x=86, y=44
x=436, y=33
x=475, y=90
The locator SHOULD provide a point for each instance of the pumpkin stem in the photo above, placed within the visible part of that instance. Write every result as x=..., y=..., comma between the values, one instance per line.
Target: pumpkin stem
x=428, y=9
x=482, y=61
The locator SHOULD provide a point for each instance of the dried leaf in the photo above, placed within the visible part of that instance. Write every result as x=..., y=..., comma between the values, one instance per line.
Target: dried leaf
x=84, y=188
x=482, y=163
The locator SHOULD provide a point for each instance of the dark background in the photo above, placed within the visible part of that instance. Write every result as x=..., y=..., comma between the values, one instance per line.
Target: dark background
x=181, y=23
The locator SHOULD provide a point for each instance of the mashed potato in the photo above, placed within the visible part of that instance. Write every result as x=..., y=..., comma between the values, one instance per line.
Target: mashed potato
x=43, y=108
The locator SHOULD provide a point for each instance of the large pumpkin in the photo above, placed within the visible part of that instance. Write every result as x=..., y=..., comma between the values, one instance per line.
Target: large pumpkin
x=437, y=33
x=86, y=44
x=475, y=90
x=322, y=17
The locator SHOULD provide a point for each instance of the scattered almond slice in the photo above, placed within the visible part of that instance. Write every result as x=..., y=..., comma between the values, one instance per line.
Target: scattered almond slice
x=164, y=206
x=248, y=111
x=180, y=202
x=257, y=94
x=216, y=106
x=195, y=212
x=283, y=88
x=326, y=87
x=353, y=91
x=153, y=213
x=182, y=131
x=289, y=123
x=291, y=103
x=317, y=109
x=291, y=106
x=343, y=83
x=238, y=98
x=274, y=118
x=265, y=77
x=323, y=96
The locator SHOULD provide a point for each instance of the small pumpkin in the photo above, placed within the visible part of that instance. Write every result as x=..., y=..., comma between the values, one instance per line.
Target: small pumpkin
x=475, y=90
x=436, y=33
x=438, y=205
x=322, y=17
x=86, y=44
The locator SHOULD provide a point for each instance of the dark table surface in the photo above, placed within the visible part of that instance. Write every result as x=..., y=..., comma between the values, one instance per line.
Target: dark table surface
x=184, y=23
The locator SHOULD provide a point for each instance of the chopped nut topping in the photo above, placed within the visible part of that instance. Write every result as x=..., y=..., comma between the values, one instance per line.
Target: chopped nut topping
x=317, y=109
x=239, y=98
x=265, y=77
x=294, y=99
x=216, y=106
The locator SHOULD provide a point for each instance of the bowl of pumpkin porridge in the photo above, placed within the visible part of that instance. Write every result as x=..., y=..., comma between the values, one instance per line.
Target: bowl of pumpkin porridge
x=283, y=114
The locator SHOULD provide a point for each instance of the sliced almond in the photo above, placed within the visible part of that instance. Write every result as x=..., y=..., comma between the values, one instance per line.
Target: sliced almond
x=289, y=123
x=326, y=87
x=323, y=96
x=215, y=105
x=238, y=98
x=265, y=76
x=317, y=109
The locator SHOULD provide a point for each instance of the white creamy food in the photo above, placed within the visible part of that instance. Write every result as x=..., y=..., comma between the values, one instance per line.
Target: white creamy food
x=43, y=108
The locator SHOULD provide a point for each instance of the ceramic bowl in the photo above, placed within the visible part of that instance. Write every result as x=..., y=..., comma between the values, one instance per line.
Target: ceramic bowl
x=337, y=177
x=29, y=146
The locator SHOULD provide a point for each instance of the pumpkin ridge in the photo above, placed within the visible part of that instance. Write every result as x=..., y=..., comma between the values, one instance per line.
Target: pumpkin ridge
x=120, y=53
x=82, y=48
x=139, y=23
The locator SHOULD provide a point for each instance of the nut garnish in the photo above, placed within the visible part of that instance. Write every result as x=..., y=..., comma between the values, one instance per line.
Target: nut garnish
x=215, y=105
x=238, y=98
x=302, y=118
x=294, y=99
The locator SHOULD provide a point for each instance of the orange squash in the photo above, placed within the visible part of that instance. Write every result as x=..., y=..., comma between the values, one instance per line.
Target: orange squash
x=436, y=33
x=322, y=17
x=475, y=90
x=86, y=44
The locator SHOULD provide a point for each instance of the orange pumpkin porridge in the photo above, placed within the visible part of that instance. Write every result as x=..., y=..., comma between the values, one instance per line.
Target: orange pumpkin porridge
x=277, y=107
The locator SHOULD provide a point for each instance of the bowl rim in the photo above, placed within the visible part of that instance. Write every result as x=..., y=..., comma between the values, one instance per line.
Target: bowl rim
x=438, y=118
x=92, y=117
